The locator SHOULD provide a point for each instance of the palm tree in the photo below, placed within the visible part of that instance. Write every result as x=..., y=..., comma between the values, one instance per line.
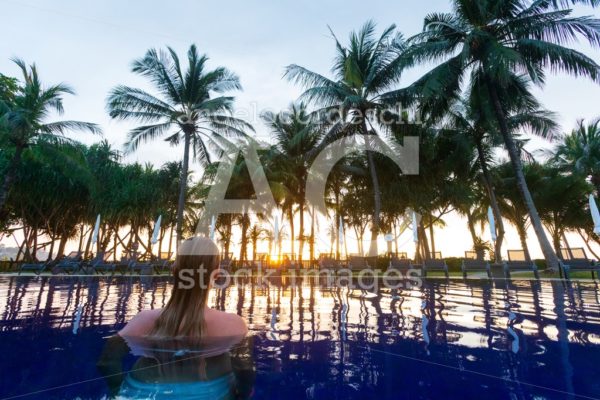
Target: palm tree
x=562, y=200
x=257, y=232
x=296, y=134
x=363, y=71
x=469, y=118
x=492, y=40
x=579, y=151
x=23, y=114
x=510, y=200
x=185, y=111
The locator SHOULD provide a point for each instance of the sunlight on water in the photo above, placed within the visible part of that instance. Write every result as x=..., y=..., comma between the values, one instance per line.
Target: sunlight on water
x=492, y=329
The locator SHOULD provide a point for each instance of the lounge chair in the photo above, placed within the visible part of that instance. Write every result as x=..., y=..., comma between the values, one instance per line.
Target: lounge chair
x=163, y=263
x=71, y=263
x=517, y=261
x=437, y=263
x=141, y=267
x=357, y=263
x=471, y=264
x=327, y=262
x=573, y=260
x=401, y=264
x=100, y=264
x=36, y=268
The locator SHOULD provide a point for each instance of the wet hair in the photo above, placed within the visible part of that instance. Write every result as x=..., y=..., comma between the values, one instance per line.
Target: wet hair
x=183, y=316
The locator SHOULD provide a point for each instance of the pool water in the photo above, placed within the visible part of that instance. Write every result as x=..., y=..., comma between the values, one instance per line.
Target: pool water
x=467, y=340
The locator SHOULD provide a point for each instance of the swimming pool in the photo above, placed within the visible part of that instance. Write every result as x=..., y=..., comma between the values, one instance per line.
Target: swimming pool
x=452, y=339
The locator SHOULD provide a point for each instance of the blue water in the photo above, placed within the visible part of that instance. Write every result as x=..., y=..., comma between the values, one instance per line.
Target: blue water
x=519, y=340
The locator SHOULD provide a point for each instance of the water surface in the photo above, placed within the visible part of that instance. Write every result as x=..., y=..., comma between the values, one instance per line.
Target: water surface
x=520, y=340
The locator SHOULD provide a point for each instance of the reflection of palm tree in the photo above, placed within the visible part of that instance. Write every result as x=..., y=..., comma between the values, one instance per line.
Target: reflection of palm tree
x=562, y=333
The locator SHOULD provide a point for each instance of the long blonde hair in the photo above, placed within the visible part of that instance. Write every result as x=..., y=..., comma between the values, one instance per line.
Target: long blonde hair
x=183, y=316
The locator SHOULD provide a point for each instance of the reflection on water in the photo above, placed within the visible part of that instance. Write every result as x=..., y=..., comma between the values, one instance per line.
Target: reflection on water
x=215, y=370
x=445, y=340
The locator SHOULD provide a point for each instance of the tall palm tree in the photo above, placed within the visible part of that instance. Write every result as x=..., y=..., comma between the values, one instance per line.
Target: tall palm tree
x=493, y=39
x=296, y=134
x=467, y=118
x=190, y=108
x=256, y=233
x=363, y=71
x=579, y=151
x=23, y=120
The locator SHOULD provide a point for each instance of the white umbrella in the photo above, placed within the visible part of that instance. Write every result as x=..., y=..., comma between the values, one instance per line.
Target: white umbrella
x=415, y=227
x=492, y=223
x=213, y=224
x=595, y=214
x=156, y=230
x=96, y=230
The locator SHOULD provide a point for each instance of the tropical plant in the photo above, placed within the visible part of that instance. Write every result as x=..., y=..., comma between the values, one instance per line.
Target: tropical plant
x=256, y=233
x=562, y=201
x=470, y=118
x=23, y=121
x=295, y=135
x=363, y=71
x=579, y=151
x=493, y=40
x=187, y=110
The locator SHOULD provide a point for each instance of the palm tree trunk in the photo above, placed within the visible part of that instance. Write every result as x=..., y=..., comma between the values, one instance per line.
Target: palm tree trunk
x=549, y=254
x=471, y=225
x=51, y=251
x=301, y=234
x=431, y=234
x=586, y=240
x=376, y=195
x=61, y=246
x=88, y=244
x=556, y=241
x=183, y=187
x=487, y=181
x=170, y=241
x=336, y=232
x=312, y=236
x=426, y=255
x=9, y=178
x=377, y=202
x=244, y=243
x=80, y=245
x=291, y=217
x=35, y=243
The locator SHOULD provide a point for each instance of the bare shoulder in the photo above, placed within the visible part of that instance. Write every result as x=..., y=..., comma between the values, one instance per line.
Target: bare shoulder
x=225, y=324
x=141, y=324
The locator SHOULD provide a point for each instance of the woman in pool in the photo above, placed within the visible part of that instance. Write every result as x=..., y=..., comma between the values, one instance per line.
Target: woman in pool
x=187, y=349
x=187, y=315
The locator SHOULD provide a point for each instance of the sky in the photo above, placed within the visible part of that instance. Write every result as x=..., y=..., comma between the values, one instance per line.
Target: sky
x=90, y=45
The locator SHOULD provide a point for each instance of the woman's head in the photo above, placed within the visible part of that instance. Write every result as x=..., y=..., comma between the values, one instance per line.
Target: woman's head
x=183, y=315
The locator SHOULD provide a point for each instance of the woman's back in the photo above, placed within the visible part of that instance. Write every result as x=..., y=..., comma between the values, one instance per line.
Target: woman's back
x=217, y=324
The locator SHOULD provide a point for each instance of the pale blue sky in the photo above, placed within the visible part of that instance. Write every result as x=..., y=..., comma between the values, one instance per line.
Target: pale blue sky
x=90, y=45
